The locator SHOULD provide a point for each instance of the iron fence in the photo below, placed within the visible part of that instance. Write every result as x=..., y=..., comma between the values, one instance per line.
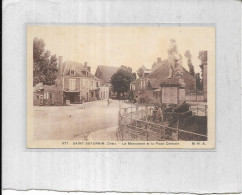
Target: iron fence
x=134, y=125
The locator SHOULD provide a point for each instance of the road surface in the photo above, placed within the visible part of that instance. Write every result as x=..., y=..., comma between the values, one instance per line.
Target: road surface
x=74, y=122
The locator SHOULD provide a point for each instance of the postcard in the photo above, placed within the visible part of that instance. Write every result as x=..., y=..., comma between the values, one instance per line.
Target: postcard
x=110, y=86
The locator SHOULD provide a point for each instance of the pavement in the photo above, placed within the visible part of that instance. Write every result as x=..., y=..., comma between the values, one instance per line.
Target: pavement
x=108, y=134
x=91, y=120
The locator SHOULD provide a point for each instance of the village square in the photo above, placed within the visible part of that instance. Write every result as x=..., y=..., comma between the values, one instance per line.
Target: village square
x=160, y=101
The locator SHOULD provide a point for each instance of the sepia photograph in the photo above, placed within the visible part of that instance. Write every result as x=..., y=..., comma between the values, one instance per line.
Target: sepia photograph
x=120, y=87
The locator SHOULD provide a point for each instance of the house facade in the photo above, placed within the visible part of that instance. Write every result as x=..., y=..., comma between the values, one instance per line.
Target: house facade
x=105, y=73
x=74, y=84
x=147, y=88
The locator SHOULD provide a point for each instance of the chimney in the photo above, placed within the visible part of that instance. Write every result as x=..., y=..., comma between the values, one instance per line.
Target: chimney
x=85, y=64
x=60, y=61
x=158, y=60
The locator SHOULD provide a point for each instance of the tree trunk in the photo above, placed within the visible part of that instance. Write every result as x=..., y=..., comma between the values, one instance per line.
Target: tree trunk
x=118, y=95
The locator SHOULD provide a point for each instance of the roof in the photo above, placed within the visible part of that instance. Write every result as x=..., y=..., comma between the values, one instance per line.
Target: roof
x=40, y=86
x=161, y=70
x=78, y=67
x=68, y=65
x=158, y=74
x=106, y=72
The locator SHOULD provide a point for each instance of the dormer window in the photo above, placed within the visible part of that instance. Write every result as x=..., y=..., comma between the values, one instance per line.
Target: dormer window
x=72, y=73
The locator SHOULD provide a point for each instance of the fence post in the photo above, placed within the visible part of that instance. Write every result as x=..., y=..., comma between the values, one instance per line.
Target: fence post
x=177, y=132
x=122, y=132
x=197, y=109
x=131, y=114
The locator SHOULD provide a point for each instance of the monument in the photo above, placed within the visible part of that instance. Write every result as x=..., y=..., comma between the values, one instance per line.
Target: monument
x=173, y=87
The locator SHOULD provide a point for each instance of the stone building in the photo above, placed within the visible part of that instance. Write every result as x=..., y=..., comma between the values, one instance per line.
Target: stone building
x=104, y=91
x=74, y=84
x=47, y=95
x=147, y=88
x=104, y=73
x=79, y=85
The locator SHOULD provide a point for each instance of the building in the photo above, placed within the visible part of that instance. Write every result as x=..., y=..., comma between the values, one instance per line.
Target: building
x=104, y=91
x=47, y=95
x=79, y=85
x=146, y=89
x=105, y=73
x=74, y=84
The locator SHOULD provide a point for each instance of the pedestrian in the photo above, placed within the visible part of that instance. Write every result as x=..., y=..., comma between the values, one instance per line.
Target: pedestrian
x=159, y=114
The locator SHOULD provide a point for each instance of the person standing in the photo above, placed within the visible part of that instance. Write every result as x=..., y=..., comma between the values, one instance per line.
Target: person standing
x=159, y=114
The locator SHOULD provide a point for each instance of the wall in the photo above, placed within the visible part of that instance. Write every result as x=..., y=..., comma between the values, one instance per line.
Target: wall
x=146, y=96
x=66, y=83
x=104, y=92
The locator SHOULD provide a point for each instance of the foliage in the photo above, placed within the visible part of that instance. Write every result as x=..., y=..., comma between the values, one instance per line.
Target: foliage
x=45, y=64
x=140, y=71
x=191, y=68
x=199, y=85
x=121, y=80
x=189, y=62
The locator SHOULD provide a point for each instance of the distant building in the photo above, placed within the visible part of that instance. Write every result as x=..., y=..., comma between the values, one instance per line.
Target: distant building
x=104, y=91
x=74, y=84
x=105, y=73
x=147, y=88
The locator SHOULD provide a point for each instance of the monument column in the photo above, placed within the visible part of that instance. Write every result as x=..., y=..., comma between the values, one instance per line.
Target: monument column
x=173, y=86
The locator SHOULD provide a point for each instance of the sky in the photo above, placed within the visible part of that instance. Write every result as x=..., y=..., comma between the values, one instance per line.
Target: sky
x=131, y=46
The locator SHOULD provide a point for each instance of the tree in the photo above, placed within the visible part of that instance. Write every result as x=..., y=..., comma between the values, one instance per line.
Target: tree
x=189, y=63
x=121, y=80
x=191, y=68
x=198, y=82
x=140, y=72
x=45, y=64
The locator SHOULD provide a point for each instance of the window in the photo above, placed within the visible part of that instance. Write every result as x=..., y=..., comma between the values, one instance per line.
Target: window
x=72, y=73
x=50, y=95
x=72, y=84
x=45, y=95
x=97, y=84
x=142, y=84
x=92, y=94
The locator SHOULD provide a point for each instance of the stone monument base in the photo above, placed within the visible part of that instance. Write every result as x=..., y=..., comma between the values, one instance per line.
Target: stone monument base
x=172, y=91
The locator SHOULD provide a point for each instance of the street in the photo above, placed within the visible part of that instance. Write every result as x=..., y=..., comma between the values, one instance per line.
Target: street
x=74, y=122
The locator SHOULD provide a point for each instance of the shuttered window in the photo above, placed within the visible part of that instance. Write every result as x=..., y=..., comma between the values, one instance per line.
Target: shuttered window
x=72, y=84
